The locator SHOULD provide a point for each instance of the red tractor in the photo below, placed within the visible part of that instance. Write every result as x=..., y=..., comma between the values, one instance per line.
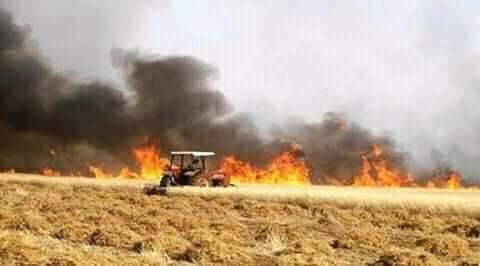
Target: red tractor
x=189, y=168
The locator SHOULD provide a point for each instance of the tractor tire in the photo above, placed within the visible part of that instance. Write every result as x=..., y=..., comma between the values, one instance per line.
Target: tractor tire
x=201, y=181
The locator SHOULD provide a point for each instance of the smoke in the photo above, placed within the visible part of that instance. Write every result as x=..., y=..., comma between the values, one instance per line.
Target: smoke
x=175, y=103
x=94, y=122
x=169, y=98
x=78, y=36
x=408, y=68
x=41, y=109
x=333, y=146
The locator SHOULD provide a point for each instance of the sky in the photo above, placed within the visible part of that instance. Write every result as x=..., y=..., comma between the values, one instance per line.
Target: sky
x=408, y=69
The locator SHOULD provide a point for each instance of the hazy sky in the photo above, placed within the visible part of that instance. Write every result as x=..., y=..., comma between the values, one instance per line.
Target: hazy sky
x=405, y=67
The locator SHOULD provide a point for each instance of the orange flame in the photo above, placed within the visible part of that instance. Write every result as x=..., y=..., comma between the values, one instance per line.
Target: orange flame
x=452, y=181
x=126, y=173
x=285, y=169
x=377, y=172
x=239, y=171
x=99, y=172
x=431, y=184
x=151, y=164
x=47, y=171
x=147, y=155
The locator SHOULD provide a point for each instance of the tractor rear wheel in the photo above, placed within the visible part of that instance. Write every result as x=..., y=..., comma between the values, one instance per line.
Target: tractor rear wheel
x=201, y=181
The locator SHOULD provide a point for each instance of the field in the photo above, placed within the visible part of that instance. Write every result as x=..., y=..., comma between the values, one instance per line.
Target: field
x=80, y=221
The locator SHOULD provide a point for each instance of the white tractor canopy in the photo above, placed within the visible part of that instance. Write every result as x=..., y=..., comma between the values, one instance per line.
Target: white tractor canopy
x=193, y=153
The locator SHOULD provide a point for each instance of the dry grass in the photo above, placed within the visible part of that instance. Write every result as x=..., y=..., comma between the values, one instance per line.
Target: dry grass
x=61, y=221
x=17, y=247
x=465, y=201
x=461, y=201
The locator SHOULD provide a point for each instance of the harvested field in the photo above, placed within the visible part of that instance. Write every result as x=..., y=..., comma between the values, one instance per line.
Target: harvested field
x=68, y=221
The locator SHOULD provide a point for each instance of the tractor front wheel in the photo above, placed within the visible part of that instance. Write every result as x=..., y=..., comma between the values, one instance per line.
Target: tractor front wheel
x=201, y=182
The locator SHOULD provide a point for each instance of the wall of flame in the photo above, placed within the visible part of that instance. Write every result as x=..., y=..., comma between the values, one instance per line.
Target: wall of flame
x=287, y=168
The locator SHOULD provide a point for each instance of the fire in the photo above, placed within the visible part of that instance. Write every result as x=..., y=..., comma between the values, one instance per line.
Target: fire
x=127, y=173
x=99, y=172
x=376, y=171
x=452, y=181
x=151, y=164
x=147, y=155
x=47, y=171
x=239, y=171
x=285, y=169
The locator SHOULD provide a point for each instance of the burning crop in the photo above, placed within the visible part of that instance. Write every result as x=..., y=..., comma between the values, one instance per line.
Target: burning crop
x=56, y=126
x=149, y=161
x=285, y=169
x=47, y=171
x=99, y=172
x=453, y=180
x=126, y=173
x=148, y=157
x=377, y=171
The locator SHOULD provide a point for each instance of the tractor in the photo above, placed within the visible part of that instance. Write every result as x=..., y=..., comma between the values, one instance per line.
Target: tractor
x=189, y=168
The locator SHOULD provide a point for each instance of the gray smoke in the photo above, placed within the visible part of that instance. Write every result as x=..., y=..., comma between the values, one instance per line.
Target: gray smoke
x=333, y=146
x=78, y=36
x=172, y=98
x=94, y=122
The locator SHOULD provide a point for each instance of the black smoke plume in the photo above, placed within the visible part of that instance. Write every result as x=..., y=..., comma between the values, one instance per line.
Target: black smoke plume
x=48, y=119
x=333, y=147
x=96, y=123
